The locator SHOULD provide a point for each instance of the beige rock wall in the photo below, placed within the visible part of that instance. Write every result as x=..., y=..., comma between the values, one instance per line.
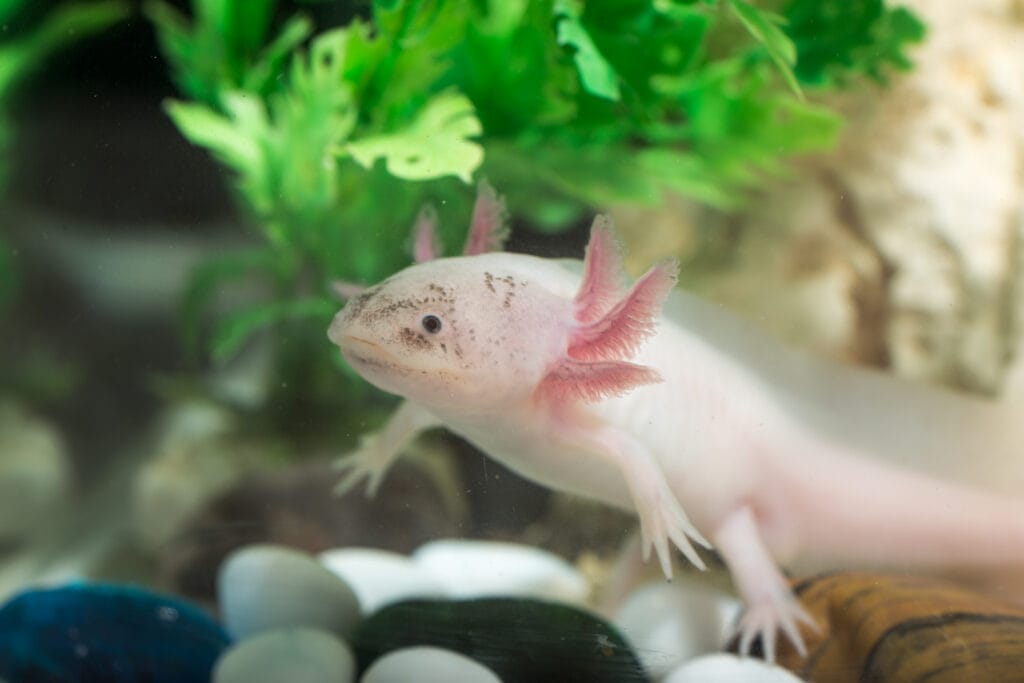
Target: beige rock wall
x=902, y=247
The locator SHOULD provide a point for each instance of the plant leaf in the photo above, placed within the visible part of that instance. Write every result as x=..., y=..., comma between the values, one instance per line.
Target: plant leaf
x=8, y=8
x=273, y=58
x=434, y=144
x=66, y=24
x=764, y=27
x=597, y=75
x=233, y=144
x=243, y=23
x=237, y=327
x=836, y=39
x=209, y=278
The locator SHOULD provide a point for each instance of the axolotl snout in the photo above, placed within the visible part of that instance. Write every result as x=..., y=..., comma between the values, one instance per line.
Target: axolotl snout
x=653, y=401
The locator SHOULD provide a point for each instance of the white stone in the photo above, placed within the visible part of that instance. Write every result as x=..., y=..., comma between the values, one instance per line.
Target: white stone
x=726, y=667
x=380, y=577
x=34, y=472
x=299, y=655
x=488, y=568
x=427, y=665
x=669, y=623
x=196, y=455
x=265, y=587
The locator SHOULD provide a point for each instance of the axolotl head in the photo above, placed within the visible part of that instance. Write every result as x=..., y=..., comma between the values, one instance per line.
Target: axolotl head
x=470, y=333
x=487, y=330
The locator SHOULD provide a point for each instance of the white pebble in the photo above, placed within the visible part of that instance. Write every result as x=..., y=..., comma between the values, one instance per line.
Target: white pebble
x=427, y=665
x=298, y=655
x=488, y=568
x=670, y=623
x=726, y=667
x=265, y=587
x=35, y=473
x=380, y=577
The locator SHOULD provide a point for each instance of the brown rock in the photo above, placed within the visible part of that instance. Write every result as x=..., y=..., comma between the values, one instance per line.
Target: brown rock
x=898, y=629
x=298, y=508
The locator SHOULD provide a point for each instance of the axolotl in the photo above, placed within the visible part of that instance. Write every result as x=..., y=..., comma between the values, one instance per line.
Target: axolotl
x=713, y=434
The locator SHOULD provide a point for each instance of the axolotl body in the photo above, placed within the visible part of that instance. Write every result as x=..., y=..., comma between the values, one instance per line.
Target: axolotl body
x=656, y=402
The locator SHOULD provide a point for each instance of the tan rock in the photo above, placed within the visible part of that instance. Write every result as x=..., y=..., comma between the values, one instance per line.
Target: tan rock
x=902, y=247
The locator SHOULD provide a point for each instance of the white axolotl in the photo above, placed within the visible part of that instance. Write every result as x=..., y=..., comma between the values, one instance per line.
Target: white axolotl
x=704, y=428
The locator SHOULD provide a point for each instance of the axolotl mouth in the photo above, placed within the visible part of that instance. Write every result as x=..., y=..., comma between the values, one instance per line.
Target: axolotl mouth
x=363, y=352
x=359, y=352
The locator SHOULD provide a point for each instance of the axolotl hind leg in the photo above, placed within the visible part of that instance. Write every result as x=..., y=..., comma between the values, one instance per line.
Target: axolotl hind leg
x=770, y=604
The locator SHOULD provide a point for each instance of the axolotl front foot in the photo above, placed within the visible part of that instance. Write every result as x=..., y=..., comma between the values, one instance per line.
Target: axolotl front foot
x=770, y=604
x=379, y=450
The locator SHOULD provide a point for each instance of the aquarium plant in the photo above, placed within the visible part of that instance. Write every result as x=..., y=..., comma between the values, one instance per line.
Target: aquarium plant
x=335, y=136
x=28, y=37
x=31, y=32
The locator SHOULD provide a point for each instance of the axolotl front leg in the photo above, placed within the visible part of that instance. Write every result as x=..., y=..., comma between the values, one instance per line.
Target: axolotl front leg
x=662, y=518
x=378, y=450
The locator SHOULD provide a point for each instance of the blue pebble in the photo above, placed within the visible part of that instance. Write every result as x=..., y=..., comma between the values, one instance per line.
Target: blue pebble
x=92, y=633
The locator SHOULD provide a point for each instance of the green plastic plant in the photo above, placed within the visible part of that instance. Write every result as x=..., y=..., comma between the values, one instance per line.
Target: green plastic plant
x=837, y=39
x=335, y=143
x=25, y=51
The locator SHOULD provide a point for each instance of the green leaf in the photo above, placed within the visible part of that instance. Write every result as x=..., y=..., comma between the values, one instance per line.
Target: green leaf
x=599, y=176
x=837, y=39
x=398, y=62
x=435, y=144
x=282, y=147
x=28, y=52
x=236, y=328
x=597, y=76
x=516, y=75
x=270, y=64
x=836, y=42
x=209, y=278
x=8, y=8
x=74, y=21
x=235, y=142
x=222, y=49
x=242, y=24
x=690, y=175
x=64, y=25
x=764, y=26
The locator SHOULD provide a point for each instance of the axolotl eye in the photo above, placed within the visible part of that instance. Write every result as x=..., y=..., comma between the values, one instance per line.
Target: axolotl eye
x=431, y=323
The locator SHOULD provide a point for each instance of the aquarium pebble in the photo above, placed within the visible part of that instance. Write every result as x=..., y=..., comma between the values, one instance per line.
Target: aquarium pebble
x=379, y=577
x=726, y=667
x=267, y=587
x=105, y=633
x=468, y=568
x=427, y=665
x=290, y=655
x=670, y=623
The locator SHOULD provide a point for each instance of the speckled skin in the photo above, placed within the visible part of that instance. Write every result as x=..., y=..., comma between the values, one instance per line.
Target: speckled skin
x=776, y=458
